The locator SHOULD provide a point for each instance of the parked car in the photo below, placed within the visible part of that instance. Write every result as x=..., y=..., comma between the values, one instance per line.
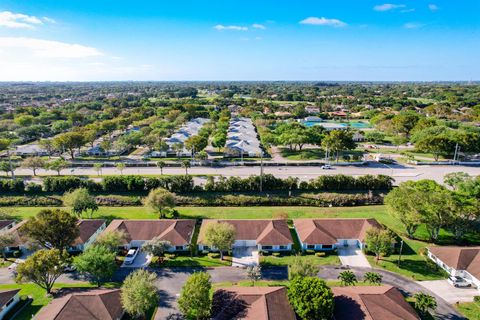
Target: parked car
x=131, y=255
x=459, y=282
x=326, y=167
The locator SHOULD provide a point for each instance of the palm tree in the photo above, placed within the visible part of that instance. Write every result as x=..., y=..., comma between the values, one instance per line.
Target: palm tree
x=347, y=278
x=161, y=165
x=373, y=278
x=186, y=165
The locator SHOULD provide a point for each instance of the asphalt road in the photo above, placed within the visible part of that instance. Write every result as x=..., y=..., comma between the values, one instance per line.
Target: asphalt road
x=399, y=172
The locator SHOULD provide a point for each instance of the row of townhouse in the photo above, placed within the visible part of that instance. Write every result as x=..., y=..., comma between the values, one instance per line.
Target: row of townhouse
x=259, y=303
x=265, y=235
x=189, y=129
x=242, y=139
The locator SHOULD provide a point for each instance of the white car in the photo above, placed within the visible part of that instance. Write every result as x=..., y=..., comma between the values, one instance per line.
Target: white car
x=131, y=255
x=459, y=282
x=326, y=167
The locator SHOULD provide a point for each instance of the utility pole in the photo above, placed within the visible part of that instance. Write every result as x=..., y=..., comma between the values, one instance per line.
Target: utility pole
x=400, y=253
x=261, y=171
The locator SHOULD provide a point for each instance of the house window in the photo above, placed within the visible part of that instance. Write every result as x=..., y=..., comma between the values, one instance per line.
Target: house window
x=327, y=246
x=282, y=247
x=178, y=247
x=206, y=248
x=311, y=246
x=267, y=247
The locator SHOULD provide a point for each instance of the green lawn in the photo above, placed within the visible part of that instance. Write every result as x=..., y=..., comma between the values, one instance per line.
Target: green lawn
x=202, y=261
x=287, y=260
x=471, y=310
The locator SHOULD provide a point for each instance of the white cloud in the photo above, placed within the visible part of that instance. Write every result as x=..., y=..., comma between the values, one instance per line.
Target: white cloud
x=258, y=26
x=412, y=25
x=221, y=27
x=21, y=21
x=323, y=22
x=388, y=7
x=433, y=7
x=47, y=48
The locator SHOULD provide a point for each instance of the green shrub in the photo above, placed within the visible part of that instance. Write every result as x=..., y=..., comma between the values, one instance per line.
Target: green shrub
x=214, y=255
x=310, y=251
x=265, y=253
x=30, y=201
x=320, y=254
x=9, y=186
x=276, y=254
x=170, y=256
x=205, y=252
x=17, y=254
x=476, y=299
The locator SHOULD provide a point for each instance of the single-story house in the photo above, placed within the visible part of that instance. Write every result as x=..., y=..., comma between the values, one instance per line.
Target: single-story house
x=252, y=303
x=30, y=150
x=6, y=225
x=461, y=262
x=266, y=235
x=8, y=299
x=89, y=229
x=20, y=243
x=329, y=234
x=178, y=232
x=371, y=303
x=102, y=304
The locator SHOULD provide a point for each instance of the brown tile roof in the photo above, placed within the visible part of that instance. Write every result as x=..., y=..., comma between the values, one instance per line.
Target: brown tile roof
x=265, y=232
x=102, y=304
x=252, y=303
x=87, y=229
x=5, y=223
x=328, y=231
x=6, y=295
x=460, y=258
x=177, y=232
x=371, y=303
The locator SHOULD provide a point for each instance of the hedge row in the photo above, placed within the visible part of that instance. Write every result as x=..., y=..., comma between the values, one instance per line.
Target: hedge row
x=184, y=184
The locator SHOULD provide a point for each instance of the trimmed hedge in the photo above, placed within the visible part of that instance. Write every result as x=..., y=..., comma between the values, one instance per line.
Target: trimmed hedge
x=27, y=201
x=12, y=186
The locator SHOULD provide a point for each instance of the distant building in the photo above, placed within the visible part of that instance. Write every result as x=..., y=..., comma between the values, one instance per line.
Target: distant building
x=242, y=139
x=30, y=150
x=312, y=109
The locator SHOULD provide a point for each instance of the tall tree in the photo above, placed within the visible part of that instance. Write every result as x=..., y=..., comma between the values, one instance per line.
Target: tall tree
x=139, y=293
x=380, y=242
x=57, y=165
x=80, y=201
x=311, y=298
x=156, y=247
x=43, y=268
x=52, y=228
x=69, y=142
x=337, y=141
x=111, y=240
x=220, y=236
x=98, y=262
x=161, y=165
x=159, y=200
x=33, y=163
x=195, y=301
x=302, y=268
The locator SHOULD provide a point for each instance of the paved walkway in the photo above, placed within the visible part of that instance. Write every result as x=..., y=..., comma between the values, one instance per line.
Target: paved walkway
x=353, y=257
x=450, y=293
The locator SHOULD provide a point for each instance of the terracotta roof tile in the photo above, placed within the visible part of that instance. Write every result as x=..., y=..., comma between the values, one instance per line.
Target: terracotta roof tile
x=371, y=303
x=177, y=232
x=265, y=232
x=328, y=231
x=459, y=258
x=252, y=303
x=87, y=229
x=102, y=304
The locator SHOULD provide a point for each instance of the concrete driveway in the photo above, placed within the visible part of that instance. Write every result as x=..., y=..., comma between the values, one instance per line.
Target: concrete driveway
x=450, y=293
x=353, y=257
x=142, y=260
x=244, y=257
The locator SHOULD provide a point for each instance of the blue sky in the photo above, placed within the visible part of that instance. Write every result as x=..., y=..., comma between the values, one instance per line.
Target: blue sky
x=239, y=40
